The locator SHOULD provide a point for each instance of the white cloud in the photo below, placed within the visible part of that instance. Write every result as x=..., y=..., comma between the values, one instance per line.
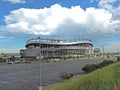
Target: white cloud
x=116, y=12
x=1, y=36
x=112, y=6
x=16, y=1
x=91, y=1
x=61, y=21
x=109, y=4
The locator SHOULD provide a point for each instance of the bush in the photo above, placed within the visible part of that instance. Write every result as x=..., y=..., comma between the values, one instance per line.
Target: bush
x=89, y=68
x=66, y=75
x=118, y=58
x=2, y=60
x=106, y=62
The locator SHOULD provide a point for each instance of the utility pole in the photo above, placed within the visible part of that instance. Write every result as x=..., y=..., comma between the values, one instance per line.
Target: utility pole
x=39, y=57
x=118, y=50
x=103, y=51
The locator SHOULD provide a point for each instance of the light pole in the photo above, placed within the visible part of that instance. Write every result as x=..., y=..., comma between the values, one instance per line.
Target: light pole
x=103, y=52
x=117, y=50
x=39, y=57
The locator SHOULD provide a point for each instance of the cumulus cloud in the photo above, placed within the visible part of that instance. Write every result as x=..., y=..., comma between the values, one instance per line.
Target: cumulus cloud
x=91, y=1
x=116, y=12
x=107, y=4
x=16, y=1
x=61, y=21
x=112, y=6
x=1, y=36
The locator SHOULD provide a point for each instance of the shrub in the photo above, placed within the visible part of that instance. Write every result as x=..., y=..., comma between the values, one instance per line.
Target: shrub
x=2, y=60
x=106, y=62
x=89, y=68
x=66, y=75
x=118, y=58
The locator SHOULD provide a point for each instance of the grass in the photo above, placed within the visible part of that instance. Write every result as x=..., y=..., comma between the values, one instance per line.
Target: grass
x=107, y=78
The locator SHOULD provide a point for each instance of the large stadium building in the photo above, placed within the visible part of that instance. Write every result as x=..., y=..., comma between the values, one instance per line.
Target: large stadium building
x=57, y=48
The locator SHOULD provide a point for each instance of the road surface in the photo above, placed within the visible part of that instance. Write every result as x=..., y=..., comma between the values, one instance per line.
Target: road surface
x=26, y=76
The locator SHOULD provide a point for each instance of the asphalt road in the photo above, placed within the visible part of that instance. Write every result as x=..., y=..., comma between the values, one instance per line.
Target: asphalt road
x=26, y=76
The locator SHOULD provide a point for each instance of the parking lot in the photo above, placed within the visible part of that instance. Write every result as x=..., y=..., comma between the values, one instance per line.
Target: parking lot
x=25, y=76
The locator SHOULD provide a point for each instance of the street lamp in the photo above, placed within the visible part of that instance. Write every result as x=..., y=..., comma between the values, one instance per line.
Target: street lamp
x=103, y=52
x=39, y=57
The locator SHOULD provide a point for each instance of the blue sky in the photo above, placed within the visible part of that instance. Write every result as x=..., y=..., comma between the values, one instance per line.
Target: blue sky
x=98, y=20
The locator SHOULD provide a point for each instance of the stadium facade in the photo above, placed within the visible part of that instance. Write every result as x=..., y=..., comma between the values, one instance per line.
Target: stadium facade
x=57, y=48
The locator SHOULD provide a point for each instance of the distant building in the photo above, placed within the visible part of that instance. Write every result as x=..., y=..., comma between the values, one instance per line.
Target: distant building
x=96, y=50
x=57, y=48
x=9, y=54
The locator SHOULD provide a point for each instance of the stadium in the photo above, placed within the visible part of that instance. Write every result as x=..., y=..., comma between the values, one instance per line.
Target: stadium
x=57, y=48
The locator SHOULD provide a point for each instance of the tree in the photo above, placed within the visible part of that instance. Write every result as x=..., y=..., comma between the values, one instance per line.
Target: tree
x=2, y=60
x=12, y=58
